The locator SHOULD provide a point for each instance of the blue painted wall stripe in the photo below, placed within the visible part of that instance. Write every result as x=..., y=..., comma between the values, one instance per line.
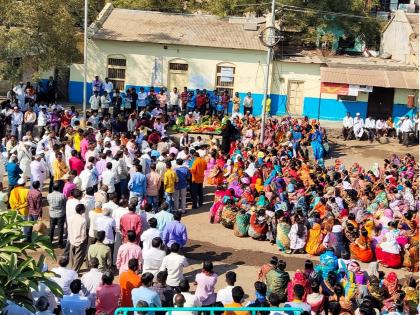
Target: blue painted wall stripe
x=330, y=109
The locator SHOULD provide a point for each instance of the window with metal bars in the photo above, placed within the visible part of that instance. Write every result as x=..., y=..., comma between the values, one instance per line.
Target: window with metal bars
x=116, y=72
x=225, y=78
x=178, y=66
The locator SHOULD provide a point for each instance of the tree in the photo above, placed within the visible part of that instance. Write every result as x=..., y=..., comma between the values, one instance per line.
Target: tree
x=41, y=31
x=308, y=19
x=19, y=271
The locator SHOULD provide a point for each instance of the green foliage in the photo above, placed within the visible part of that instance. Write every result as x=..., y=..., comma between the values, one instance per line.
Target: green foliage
x=19, y=271
x=41, y=31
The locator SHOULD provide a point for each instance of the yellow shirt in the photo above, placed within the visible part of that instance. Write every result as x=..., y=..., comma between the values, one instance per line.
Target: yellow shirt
x=76, y=141
x=169, y=180
x=60, y=169
x=19, y=200
x=234, y=304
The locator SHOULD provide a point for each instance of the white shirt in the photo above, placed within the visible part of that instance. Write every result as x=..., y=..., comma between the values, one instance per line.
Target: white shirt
x=110, y=205
x=88, y=178
x=71, y=207
x=105, y=101
x=38, y=171
x=42, y=119
x=108, y=178
x=147, y=237
x=190, y=301
x=370, y=123
x=116, y=215
x=407, y=125
x=358, y=122
x=17, y=118
x=225, y=295
x=174, y=264
x=20, y=91
x=108, y=86
x=66, y=277
x=152, y=260
x=348, y=122
x=94, y=102
x=380, y=124
x=107, y=224
x=91, y=281
x=174, y=98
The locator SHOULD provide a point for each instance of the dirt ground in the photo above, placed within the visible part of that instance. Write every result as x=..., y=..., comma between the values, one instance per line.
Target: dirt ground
x=244, y=255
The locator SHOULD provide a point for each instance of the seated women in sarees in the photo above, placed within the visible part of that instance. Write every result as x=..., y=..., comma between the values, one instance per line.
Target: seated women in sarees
x=283, y=229
x=361, y=249
x=297, y=236
x=298, y=278
x=390, y=283
x=388, y=250
x=277, y=280
x=228, y=216
x=314, y=245
x=265, y=268
x=258, y=226
x=241, y=226
x=381, y=199
x=335, y=239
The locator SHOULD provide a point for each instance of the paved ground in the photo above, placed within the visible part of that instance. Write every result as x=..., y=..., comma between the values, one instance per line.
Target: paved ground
x=244, y=255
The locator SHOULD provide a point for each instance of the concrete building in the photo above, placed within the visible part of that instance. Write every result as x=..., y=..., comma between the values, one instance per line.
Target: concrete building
x=400, y=38
x=143, y=49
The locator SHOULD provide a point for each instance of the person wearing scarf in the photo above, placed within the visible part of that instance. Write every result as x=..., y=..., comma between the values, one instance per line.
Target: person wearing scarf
x=298, y=278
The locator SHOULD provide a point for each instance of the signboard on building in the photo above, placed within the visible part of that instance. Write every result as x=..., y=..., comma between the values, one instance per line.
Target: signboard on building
x=226, y=74
x=344, y=89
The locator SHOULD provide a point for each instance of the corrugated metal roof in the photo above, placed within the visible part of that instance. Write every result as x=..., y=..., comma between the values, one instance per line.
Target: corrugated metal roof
x=181, y=29
x=381, y=78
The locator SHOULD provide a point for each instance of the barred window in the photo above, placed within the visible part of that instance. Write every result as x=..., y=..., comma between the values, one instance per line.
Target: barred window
x=225, y=78
x=116, y=72
x=178, y=66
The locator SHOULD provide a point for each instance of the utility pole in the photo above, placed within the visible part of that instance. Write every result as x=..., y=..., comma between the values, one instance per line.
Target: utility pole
x=270, y=43
x=85, y=61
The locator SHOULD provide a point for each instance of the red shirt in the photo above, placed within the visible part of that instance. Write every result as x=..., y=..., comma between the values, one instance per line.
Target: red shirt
x=130, y=221
x=108, y=298
x=65, y=121
x=200, y=100
x=76, y=164
x=184, y=97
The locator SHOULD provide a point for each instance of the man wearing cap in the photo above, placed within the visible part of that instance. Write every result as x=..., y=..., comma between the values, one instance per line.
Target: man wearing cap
x=358, y=127
x=38, y=170
x=18, y=200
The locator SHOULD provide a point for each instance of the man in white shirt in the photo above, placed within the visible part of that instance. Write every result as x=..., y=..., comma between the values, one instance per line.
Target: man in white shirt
x=108, y=86
x=174, y=99
x=108, y=178
x=116, y=215
x=370, y=126
x=406, y=128
x=347, y=127
x=381, y=128
x=20, y=94
x=148, y=235
x=72, y=202
x=65, y=275
x=42, y=121
x=153, y=257
x=91, y=281
x=248, y=103
x=225, y=295
x=191, y=300
x=16, y=122
x=88, y=177
x=358, y=127
x=38, y=170
x=174, y=264
x=141, y=101
x=105, y=102
x=95, y=101
x=107, y=224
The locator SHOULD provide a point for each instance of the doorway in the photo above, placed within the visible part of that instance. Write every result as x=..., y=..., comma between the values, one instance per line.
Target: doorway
x=178, y=75
x=295, y=97
x=380, y=102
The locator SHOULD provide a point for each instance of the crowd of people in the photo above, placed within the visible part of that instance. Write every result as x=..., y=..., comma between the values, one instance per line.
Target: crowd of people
x=117, y=188
x=405, y=128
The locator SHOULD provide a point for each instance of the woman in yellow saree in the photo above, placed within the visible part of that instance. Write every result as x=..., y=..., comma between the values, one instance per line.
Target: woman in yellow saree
x=314, y=244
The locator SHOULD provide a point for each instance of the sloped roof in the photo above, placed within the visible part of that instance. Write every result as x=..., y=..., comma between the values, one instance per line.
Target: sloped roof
x=181, y=29
x=413, y=19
